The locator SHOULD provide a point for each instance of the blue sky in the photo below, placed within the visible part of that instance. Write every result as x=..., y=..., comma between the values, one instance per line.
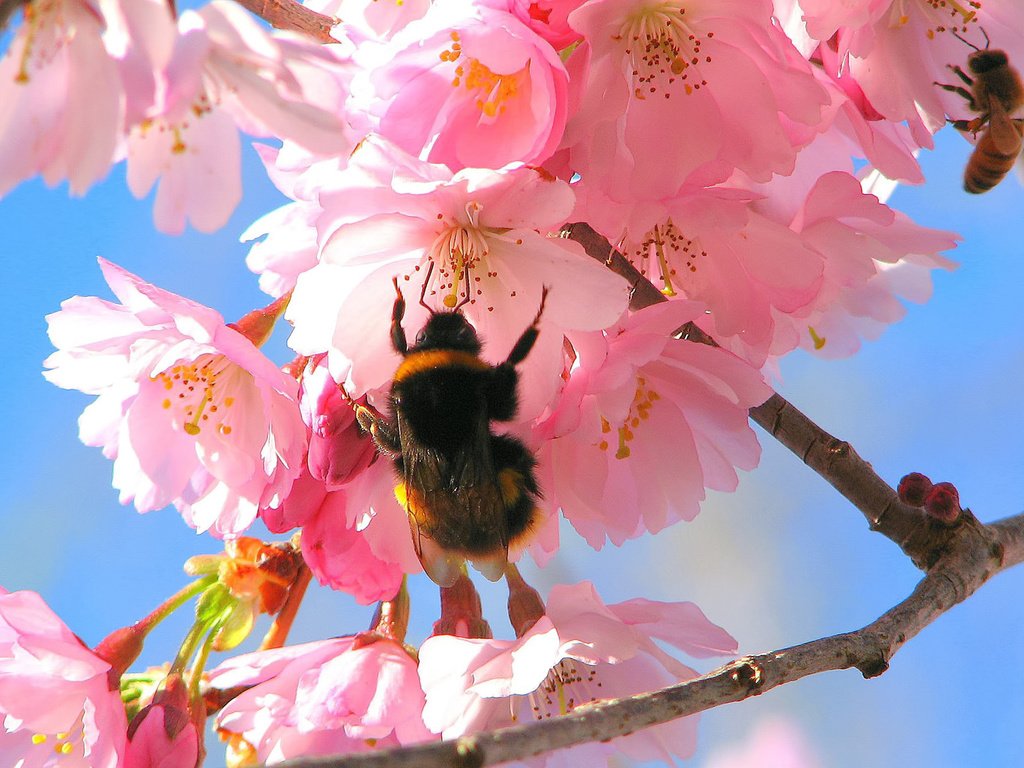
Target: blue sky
x=782, y=561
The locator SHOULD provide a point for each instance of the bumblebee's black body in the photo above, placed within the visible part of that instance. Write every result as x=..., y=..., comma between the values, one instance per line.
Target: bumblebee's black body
x=469, y=493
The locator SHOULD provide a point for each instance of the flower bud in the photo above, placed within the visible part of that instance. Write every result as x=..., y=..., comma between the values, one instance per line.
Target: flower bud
x=913, y=489
x=943, y=502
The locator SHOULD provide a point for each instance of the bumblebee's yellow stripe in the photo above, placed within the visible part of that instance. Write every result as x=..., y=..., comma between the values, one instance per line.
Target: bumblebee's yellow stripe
x=428, y=359
x=510, y=483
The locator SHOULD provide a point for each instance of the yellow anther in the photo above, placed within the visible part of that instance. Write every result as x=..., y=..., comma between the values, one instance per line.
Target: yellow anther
x=819, y=342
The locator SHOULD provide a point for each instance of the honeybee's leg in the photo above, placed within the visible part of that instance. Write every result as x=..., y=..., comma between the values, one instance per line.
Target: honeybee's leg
x=955, y=69
x=959, y=90
x=398, y=340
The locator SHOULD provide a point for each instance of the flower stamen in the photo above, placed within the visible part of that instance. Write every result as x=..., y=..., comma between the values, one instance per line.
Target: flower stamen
x=661, y=48
x=456, y=250
x=941, y=15
x=639, y=411
x=194, y=387
x=666, y=244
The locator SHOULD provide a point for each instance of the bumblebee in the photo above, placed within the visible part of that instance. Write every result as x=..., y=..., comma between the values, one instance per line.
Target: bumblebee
x=469, y=493
x=995, y=93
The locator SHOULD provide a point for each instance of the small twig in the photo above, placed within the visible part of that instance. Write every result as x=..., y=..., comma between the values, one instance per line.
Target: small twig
x=921, y=537
x=291, y=16
x=7, y=9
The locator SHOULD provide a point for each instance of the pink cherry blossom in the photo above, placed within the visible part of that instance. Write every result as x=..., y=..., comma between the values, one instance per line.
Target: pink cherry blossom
x=164, y=733
x=327, y=697
x=285, y=238
x=391, y=216
x=714, y=246
x=370, y=18
x=470, y=85
x=189, y=410
x=673, y=91
x=851, y=119
x=338, y=551
x=329, y=499
x=338, y=449
x=896, y=50
x=152, y=747
x=862, y=240
x=645, y=424
x=56, y=701
x=222, y=71
x=61, y=98
x=580, y=651
x=548, y=18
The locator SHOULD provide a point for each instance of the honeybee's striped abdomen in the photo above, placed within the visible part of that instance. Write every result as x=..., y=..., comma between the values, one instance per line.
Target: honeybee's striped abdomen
x=989, y=164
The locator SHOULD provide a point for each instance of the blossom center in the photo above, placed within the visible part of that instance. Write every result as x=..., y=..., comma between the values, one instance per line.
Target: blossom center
x=660, y=250
x=491, y=90
x=940, y=15
x=196, y=393
x=177, y=128
x=639, y=411
x=459, y=249
x=664, y=51
x=567, y=686
x=63, y=744
x=36, y=15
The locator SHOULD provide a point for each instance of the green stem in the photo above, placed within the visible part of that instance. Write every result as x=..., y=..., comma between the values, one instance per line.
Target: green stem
x=200, y=663
x=174, y=602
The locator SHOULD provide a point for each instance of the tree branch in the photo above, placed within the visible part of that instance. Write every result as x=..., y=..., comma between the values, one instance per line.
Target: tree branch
x=922, y=538
x=958, y=560
x=291, y=16
x=974, y=554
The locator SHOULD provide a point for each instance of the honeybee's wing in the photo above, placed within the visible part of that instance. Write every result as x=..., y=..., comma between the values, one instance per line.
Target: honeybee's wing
x=1004, y=131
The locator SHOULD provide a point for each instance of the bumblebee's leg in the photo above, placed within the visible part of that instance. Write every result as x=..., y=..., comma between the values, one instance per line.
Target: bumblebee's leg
x=502, y=402
x=384, y=435
x=529, y=336
x=398, y=340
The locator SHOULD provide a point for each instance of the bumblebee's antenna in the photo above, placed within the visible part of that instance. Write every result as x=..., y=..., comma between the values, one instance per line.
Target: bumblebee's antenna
x=426, y=282
x=469, y=290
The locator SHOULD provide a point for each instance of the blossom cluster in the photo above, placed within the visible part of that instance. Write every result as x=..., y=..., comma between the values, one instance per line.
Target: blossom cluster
x=736, y=154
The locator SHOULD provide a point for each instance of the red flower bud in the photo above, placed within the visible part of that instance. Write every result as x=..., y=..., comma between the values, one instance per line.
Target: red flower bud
x=913, y=489
x=943, y=502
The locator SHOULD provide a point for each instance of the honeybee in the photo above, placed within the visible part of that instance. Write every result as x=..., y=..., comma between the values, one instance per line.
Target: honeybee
x=996, y=92
x=468, y=493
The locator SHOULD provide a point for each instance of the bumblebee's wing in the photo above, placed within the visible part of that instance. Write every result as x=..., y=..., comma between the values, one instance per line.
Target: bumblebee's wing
x=1004, y=130
x=423, y=499
x=480, y=493
x=454, y=506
